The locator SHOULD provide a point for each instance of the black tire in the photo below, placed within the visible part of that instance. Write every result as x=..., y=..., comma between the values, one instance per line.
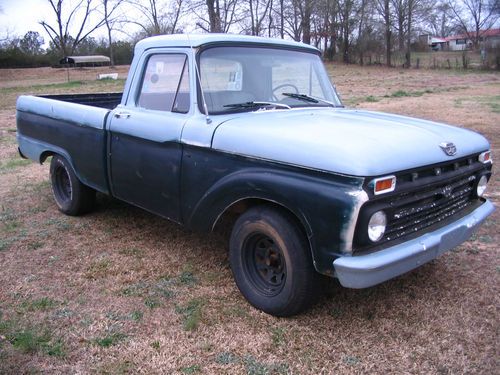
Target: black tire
x=271, y=262
x=72, y=197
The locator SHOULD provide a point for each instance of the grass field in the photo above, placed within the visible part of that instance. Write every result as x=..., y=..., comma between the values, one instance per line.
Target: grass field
x=122, y=291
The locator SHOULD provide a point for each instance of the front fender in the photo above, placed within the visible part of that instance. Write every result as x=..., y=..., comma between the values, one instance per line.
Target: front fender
x=256, y=183
x=323, y=202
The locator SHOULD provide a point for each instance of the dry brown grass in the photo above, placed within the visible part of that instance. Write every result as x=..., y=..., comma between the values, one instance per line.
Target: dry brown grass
x=123, y=291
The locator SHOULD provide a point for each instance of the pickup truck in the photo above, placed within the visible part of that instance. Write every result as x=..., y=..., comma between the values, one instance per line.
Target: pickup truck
x=252, y=129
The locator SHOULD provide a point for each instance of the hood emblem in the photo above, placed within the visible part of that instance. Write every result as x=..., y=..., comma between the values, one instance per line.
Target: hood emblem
x=448, y=148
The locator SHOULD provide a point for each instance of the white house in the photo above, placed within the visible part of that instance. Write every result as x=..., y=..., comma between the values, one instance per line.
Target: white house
x=487, y=38
x=461, y=42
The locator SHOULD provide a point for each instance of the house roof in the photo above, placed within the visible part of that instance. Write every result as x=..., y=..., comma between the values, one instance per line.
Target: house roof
x=483, y=33
x=435, y=39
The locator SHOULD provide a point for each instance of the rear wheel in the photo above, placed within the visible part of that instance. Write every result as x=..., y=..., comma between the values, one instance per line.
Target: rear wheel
x=71, y=196
x=272, y=263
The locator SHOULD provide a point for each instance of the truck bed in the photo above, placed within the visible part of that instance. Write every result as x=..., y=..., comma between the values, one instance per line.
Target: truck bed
x=101, y=100
x=71, y=125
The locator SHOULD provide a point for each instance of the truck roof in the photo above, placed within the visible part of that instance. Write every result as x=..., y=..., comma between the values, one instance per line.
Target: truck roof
x=197, y=40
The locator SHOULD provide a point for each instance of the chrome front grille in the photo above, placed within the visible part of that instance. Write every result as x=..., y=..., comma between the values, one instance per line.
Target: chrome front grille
x=412, y=212
x=424, y=197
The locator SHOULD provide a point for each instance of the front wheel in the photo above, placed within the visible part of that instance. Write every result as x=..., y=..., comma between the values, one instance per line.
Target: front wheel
x=271, y=262
x=71, y=196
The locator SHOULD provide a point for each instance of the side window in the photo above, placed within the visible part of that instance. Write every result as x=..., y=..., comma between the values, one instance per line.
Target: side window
x=165, y=84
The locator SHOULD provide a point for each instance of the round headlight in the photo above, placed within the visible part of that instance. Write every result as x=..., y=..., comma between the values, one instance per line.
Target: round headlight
x=481, y=186
x=376, y=226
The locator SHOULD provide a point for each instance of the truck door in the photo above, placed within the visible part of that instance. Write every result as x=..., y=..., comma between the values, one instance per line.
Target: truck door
x=145, y=149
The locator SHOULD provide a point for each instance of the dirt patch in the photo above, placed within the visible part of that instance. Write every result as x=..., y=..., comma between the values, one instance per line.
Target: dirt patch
x=123, y=291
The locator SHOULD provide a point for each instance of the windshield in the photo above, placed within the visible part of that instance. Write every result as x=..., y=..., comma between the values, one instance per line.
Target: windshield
x=248, y=78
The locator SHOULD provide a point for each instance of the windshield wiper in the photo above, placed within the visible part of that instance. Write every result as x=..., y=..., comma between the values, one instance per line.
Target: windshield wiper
x=257, y=105
x=307, y=98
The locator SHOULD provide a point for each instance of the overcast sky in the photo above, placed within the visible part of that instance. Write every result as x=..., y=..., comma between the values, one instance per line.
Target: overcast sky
x=20, y=16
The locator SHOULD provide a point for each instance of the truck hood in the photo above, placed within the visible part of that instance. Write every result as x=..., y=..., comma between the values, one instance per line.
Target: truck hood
x=351, y=142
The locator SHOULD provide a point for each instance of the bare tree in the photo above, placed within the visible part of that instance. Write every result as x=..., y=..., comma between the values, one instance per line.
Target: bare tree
x=292, y=18
x=78, y=18
x=400, y=14
x=158, y=17
x=474, y=17
x=384, y=9
x=110, y=9
x=258, y=10
x=215, y=16
x=438, y=21
x=346, y=12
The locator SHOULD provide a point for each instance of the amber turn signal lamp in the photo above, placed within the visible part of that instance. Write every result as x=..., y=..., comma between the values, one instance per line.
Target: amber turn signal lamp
x=384, y=185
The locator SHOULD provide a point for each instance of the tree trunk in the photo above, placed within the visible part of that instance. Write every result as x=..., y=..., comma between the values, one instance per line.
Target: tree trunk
x=110, y=41
x=214, y=16
x=387, y=19
x=282, y=19
x=306, y=22
x=408, y=43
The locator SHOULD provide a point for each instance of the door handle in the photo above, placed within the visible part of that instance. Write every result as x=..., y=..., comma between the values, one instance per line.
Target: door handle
x=122, y=115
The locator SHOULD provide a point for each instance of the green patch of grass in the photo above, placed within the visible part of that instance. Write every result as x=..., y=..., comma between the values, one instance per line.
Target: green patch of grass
x=56, y=349
x=255, y=367
x=336, y=312
x=191, y=313
x=155, y=345
x=115, y=316
x=187, y=278
x=109, y=340
x=226, y=358
x=14, y=163
x=39, y=304
x=11, y=225
x=152, y=302
x=5, y=243
x=4, y=140
x=28, y=341
x=63, y=313
x=136, y=315
x=31, y=340
x=60, y=223
x=153, y=293
x=35, y=245
x=278, y=336
x=486, y=239
x=64, y=85
x=135, y=290
x=493, y=102
x=193, y=369
x=351, y=360
x=9, y=220
x=236, y=312
x=371, y=99
x=118, y=84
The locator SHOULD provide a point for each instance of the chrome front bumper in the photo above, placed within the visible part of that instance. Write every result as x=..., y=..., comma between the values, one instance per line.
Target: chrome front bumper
x=367, y=270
